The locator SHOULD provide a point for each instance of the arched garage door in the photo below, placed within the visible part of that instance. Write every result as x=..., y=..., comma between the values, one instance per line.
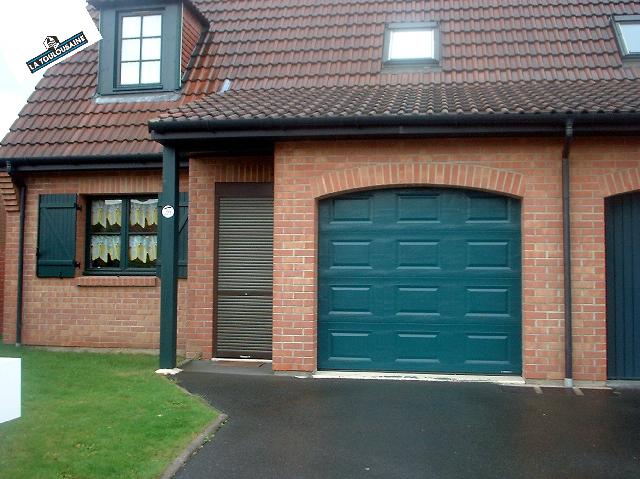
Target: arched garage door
x=420, y=279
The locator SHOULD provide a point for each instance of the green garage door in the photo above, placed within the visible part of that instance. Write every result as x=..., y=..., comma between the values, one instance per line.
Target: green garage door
x=420, y=280
x=622, y=216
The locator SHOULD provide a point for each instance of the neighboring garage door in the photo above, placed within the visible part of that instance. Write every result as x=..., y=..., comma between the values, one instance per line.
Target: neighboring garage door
x=622, y=214
x=420, y=279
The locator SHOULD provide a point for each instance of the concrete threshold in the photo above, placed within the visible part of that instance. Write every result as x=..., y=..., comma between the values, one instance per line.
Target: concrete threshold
x=503, y=380
x=241, y=360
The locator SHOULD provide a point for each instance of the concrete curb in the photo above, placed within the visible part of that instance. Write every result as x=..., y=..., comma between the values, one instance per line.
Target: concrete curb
x=193, y=446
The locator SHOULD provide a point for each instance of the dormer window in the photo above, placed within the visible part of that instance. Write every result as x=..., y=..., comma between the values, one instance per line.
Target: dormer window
x=140, y=49
x=627, y=29
x=411, y=44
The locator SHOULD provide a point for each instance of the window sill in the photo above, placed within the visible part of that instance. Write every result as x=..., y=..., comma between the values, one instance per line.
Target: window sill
x=117, y=281
x=137, y=97
x=399, y=66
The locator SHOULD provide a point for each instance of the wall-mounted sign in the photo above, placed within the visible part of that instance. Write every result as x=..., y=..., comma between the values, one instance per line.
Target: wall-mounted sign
x=168, y=211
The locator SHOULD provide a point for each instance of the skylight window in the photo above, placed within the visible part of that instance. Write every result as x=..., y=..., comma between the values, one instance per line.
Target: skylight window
x=628, y=33
x=411, y=43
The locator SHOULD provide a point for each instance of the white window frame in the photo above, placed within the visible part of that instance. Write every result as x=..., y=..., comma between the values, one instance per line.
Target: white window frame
x=392, y=28
x=620, y=20
x=141, y=38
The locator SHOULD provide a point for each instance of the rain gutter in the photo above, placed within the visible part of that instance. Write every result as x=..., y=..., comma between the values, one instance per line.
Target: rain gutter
x=435, y=125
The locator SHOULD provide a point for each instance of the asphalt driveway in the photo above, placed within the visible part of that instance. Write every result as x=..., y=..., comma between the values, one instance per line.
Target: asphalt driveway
x=282, y=427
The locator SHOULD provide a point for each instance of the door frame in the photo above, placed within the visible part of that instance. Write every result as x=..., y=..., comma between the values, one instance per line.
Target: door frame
x=231, y=190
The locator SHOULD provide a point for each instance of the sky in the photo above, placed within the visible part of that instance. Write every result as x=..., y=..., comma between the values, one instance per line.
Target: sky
x=23, y=26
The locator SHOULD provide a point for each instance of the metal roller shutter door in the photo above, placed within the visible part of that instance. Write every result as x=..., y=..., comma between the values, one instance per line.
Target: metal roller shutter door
x=244, y=277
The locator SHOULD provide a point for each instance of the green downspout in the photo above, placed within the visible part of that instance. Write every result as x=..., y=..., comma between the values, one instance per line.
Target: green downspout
x=566, y=249
x=11, y=170
x=169, y=208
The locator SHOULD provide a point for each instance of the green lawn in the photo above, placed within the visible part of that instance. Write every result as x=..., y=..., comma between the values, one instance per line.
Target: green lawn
x=88, y=415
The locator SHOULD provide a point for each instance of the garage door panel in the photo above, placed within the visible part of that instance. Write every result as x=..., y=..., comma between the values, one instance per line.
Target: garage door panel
x=356, y=209
x=487, y=348
x=421, y=300
x=417, y=208
x=417, y=301
x=488, y=209
x=436, y=348
x=417, y=347
x=350, y=254
x=351, y=300
x=376, y=253
x=420, y=280
x=417, y=254
x=487, y=302
x=352, y=346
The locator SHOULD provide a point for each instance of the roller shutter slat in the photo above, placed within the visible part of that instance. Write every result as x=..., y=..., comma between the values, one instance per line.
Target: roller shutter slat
x=245, y=265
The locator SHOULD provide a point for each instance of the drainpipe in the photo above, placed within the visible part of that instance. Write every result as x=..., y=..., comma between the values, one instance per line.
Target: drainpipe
x=566, y=248
x=22, y=198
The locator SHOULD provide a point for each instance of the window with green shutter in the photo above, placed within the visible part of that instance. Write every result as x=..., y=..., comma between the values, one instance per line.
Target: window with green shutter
x=56, y=251
x=123, y=235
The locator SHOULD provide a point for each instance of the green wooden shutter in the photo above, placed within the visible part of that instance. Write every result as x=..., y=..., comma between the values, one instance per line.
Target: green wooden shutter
x=56, y=253
x=183, y=238
x=183, y=232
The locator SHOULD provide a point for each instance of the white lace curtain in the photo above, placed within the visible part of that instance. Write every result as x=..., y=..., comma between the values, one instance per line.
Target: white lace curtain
x=106, y=213
x=105, y=247
x=143, y=248
x=143, y=213
x=143, y=218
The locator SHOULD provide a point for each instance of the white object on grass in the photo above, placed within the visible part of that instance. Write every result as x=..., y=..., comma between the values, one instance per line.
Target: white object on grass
x=10, y=389
x=168, y=372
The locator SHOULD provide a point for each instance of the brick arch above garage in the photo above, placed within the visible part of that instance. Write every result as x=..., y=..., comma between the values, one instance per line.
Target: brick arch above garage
x=621, y=181
x=391, y=174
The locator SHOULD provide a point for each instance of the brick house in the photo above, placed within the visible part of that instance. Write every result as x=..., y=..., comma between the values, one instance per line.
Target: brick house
x=400, y=186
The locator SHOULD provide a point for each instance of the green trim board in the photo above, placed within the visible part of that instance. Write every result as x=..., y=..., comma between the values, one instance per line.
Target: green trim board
x=420, y=279
x=169, y=221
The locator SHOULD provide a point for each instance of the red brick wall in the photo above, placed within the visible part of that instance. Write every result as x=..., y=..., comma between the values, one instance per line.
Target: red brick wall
x=203, y=175
x=601, y=167
x=3, y=222
x=526, y=168
x=84, y=311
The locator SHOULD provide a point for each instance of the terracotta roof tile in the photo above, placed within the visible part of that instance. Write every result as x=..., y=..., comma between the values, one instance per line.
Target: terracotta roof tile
x=496, y=55
x=611, y=96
